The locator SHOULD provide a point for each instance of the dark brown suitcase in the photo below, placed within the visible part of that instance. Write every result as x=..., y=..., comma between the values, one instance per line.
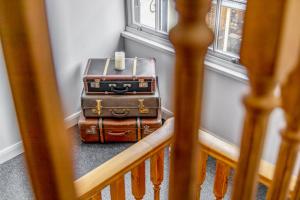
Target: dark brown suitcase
x=119, y=106
x=100, y=77
x=106, y=130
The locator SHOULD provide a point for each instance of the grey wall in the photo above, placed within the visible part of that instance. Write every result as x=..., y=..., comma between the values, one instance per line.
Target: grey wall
x=222, y=108
x=78, y=30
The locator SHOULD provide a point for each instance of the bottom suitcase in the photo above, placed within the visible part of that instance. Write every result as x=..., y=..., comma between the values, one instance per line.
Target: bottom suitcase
x=105, y=130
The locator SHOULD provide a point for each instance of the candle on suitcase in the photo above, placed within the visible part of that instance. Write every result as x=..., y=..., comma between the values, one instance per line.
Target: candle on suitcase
x=119, y=60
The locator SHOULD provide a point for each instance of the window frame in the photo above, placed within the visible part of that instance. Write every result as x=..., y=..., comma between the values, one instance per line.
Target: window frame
x=214, y=55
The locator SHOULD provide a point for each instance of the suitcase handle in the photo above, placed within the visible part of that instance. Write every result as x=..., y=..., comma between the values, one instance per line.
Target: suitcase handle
x=119, y=113
x=118, y=133
x=119, y=91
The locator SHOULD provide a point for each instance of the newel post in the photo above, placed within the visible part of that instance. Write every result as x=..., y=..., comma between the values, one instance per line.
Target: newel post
x=190, y=37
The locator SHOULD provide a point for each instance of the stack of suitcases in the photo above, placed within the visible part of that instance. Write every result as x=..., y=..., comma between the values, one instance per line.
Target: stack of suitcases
x=119, y=106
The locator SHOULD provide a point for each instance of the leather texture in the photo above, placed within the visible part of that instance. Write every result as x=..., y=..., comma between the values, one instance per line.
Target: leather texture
x=107, y=130
x=120, y=106
x=100, y=78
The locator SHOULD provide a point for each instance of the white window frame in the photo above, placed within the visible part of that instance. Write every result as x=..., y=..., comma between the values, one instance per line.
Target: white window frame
x=214, y=55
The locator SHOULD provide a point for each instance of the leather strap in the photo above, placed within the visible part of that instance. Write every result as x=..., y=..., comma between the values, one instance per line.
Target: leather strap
x=101, y=130
x=138, y=121
x=134, y=67
x=106, y=66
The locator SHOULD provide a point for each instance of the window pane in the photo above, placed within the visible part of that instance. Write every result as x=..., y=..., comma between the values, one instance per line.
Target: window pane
x=230, y=29
x=172, y=14
x=147, y=13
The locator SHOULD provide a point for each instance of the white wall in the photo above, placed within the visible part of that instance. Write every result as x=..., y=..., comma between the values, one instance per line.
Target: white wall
x=222, y=108
x=78, y=30
x=9, y=130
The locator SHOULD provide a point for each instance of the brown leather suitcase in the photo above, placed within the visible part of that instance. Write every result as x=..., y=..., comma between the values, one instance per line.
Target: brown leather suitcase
x=106, y=130
x=119, y=106
x=139, y=77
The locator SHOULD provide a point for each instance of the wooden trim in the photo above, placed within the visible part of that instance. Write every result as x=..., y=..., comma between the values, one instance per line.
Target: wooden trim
x=26, y=45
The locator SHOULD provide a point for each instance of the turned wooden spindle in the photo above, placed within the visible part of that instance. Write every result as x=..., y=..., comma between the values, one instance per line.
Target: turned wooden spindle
x=138, y=181
x=296, y=192
x=27, y=50
x=191, y=38
x=157, y=172
x=262, y=54
x=202, y=173
x=289, y=146
x=221, y=179
x=96, y=196
x=117, y=189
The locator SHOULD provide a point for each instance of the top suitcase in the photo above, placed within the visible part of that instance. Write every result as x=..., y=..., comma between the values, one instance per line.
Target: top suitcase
x=100, y=76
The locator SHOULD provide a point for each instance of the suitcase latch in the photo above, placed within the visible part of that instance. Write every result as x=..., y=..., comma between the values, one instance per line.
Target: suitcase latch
x=98, y=107
x=143, y=83
x=92, y=130
x=142, y=108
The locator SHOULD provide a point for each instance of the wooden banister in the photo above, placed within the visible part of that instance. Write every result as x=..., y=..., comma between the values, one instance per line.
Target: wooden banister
x=133, y=158
x=228, y=154
x=296, y=192
x=138, y=184
x=289, y=147
x=117, y=189
x=191, y=38
x=262, y=38
x=203, y=156
x=110, y=171
x=221, y=179
x=157, y=172
x=26, y=47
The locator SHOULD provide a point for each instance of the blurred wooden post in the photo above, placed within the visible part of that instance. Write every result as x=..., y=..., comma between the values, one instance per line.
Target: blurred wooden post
x=157, y=172
x=26, y=45
x=268, y=52
x=96, y=196
x=221, y=180
x=191, y=38
x=289, y=147
x=296, y=192
x=138, y=183
x=117, y=189
x=202, y=173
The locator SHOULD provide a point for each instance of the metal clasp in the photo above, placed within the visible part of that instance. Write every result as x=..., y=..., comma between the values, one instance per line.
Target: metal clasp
x=98, y=107
x=142, y=108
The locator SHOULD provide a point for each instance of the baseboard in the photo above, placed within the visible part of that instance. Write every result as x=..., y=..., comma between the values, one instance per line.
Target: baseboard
x=72, y=120
x=166, y=113
x=17, y=148
x=11, y=152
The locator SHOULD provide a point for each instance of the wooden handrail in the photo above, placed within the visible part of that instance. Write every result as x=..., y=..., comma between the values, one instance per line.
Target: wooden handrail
x=93, y=182
x=116, y=167
x=229, y=154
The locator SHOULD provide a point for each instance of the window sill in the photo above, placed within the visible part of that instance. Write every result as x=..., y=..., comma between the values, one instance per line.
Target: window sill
x=211, y=63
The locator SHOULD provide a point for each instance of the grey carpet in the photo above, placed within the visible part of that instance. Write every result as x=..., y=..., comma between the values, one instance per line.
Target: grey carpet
x=14, y=184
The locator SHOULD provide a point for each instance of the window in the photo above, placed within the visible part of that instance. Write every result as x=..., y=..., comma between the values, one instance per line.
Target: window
x=226, y=18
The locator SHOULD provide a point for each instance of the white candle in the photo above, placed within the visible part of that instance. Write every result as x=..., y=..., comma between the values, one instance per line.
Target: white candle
x=119, y=60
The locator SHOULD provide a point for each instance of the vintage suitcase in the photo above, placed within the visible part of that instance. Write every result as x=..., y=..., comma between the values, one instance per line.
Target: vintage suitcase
x=100, y=77
x=105, y=130
x=119, y=106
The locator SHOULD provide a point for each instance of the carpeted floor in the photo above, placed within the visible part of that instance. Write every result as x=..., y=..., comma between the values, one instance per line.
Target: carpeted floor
x=14, y=183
